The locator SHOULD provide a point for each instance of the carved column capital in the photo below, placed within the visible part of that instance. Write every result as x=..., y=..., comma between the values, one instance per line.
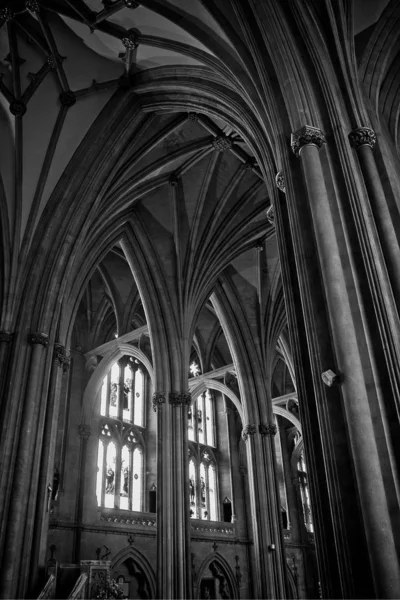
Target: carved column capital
x=180, y=398
x=363, y=136
x=305, y=136
x=271, y=215
x=6, y=337
x=159, y=398
x=60, y=356
x=265, y=429
x=38, y=338
x=280, y=181
x=222, y=143
x=84, y=431
x=248, y=430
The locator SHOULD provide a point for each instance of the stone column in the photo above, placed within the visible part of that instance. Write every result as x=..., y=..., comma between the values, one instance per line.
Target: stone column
x=84, y=431
x=268, y=540
x=43, y=508
x=357, y=398
x=11, y=584
x=6, y=338
x=173, y=524
x=363, y=140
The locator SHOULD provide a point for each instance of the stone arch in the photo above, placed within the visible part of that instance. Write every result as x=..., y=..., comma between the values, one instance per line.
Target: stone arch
x=95, y=381
x=219, y=387
x=131, y=553
x=222, y=563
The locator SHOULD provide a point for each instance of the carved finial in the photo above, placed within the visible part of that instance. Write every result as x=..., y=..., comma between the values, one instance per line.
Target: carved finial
x=280, y=181
x=180, y=398
x=130, y=40
x=159, y=398
x=249, y=429
x=305, y=136
x=363, y=136
x=39, y=338
x=222, y=143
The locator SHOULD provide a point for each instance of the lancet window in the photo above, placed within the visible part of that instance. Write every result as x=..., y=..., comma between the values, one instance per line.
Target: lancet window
x=121, y=450
x=201, y=420
x=203, y=485
x=305, y=495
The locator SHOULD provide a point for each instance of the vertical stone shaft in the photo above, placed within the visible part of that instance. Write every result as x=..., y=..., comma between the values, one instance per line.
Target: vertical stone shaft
x=17, y=516
x=39, y=545
x=295, y=518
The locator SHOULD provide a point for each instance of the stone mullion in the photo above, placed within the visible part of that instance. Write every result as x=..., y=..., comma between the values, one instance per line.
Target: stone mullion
x=292, y=246
x=84, y=433
x=10, y=583
x=39, y=547
x=130, y=477
x=354, y=363
x=232, y=471
x=133, y=394
x=108, y=396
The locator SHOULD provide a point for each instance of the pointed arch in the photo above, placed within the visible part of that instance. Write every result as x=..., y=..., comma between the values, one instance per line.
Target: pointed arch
x=141, y=560
x=213, y=384
x=226, y=569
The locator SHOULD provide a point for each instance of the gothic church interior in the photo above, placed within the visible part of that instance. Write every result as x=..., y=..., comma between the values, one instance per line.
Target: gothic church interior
x=199, y=299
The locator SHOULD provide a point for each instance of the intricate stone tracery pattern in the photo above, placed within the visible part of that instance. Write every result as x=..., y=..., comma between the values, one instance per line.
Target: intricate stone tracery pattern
x=159, y=398
x=180, y=398
x=305, y=136
x=222, y=143
x=280, y=181
x=39, y=338
x=248, y=430
x=265, y=429
x=363, y=136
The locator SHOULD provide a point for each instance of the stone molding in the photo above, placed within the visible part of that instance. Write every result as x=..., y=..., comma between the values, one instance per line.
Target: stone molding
x=180, y=398
x=248, y=430
x=265, y=429
x=6, y=337
x=271, y=215
x=159, y=398
x=222, y=143
x=212, y=529
x=84, y=431
x=363, y=136
x=306, y=136
x=38, y=338
x=114, y=518
x=280, y=181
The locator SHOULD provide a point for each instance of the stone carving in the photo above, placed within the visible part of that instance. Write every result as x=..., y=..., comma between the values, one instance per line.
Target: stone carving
x=32, y=6
x=159, y=398
x=6, y=14
x=363, y=136
x=173, y=180
x=222, y=143
x=267, y=429
x=142, y=520
x=17, y=108
x=249, y=164
x=67, y=98
x=192, y=116
x=180, y=398
x=280, y=181
x=39, y=338
x=249, y=429
x=130, y=41
x=270, y=215
x=260, y=245
x=305, y=136
x=60, y=355
x=6, y=337
x=84, y=431
x=52, y=61
x=211, y=529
